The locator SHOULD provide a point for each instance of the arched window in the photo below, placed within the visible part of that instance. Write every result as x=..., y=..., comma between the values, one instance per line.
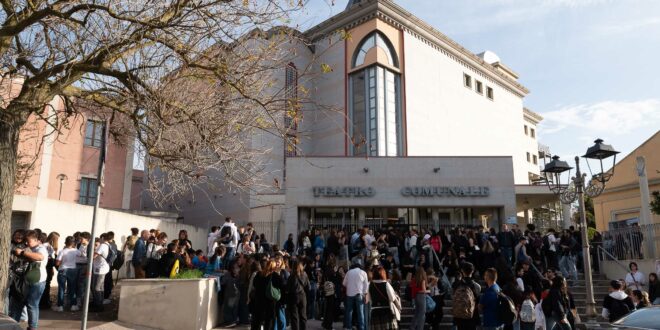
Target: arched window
x=375, y=40
x=375, y=101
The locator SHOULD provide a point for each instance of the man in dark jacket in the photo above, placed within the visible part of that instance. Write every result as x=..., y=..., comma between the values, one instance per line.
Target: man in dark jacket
x=506, y=240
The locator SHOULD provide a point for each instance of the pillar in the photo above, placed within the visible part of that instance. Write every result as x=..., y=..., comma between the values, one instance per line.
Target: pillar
x=645, y=209
x=566, y=215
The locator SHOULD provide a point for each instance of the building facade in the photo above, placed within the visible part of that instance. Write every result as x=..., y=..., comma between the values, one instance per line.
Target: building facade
x=426, y=133
x=620, y=203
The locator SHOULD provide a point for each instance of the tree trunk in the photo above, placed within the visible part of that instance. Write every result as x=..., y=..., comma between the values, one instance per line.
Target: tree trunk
x=8, y=163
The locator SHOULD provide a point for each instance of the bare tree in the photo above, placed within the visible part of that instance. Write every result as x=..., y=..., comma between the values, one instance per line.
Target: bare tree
x=189, y=79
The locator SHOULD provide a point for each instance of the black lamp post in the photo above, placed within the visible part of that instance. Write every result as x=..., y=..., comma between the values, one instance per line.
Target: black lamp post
x=592, y=188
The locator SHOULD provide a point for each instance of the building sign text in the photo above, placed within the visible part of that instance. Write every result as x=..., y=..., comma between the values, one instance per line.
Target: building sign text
x=343, y=191
x=445, y=191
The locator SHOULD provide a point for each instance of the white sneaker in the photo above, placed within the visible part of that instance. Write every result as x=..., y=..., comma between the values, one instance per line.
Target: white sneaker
x=107, y=301
x=75, y=308
x=58, y=309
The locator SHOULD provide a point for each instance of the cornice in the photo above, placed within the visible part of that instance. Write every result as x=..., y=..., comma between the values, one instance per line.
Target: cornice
x=532, y=116
x=398, y=17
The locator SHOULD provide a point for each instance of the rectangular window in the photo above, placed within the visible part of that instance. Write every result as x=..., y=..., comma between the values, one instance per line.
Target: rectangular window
x=87, y=191
x=291, y=145
x=526, y=131
x=532, y=133
x=467, y=80
x=529, y=157
x=535, y=159
x=489, y=93
x=94, y=133
x=479, y=87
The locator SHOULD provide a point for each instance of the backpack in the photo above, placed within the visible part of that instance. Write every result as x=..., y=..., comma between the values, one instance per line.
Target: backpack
x=329, y=288
x=112, y=255
x=272, y=292
x=175, y=269
x=506, y=310
x=119, y=261
x=618, y=309
x=537, y=243
x=527, y=313
x=226, y=235
x=463, y=302
x=546, y=307
x=546, y=243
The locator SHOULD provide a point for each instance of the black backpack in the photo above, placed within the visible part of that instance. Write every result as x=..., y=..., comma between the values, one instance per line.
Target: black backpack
x=506, y=309
x=112, y=255
x=119, y=261
x=226, y=236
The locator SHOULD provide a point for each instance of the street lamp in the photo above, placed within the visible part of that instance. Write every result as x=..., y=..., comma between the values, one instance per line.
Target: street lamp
x=575, y=188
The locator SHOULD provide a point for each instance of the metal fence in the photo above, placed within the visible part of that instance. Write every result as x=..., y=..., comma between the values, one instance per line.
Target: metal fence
x=270, y=228
x=635, y=242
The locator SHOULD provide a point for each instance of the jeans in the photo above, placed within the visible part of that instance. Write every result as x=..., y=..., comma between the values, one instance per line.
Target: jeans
x=67, y=279
x=507, y=252
x=311, y=299
x=229, y=255
x=32, y=303
x=280, y=319
x=98, y=282
x=420, y=312
x=354, y=304
x=81, y=270
x=567, y=266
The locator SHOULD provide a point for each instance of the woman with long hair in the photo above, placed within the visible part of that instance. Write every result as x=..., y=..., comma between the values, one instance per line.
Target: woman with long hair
x=419, y=291
x=297, y=289
x=51, y=244
x=244, y=277
x=559, y=300
x=66, y=273
x=385, y=303
x=273, y=311
x=640, y=299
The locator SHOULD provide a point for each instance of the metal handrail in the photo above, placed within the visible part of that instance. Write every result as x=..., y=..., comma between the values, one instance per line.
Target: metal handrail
x=623, y=266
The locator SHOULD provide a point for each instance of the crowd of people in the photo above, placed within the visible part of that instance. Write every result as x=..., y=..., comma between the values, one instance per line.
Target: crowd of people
x=360, y=277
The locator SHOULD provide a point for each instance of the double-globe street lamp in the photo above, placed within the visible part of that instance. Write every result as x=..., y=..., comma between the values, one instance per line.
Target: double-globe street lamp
x=575, y=188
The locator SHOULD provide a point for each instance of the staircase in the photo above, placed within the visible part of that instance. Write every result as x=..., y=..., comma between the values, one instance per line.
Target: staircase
x=577, y=289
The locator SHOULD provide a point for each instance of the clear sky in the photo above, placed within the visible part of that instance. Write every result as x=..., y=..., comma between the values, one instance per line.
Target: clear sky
x=592, y=66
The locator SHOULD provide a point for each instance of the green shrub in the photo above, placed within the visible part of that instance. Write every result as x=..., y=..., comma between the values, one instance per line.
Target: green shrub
x=189, y=274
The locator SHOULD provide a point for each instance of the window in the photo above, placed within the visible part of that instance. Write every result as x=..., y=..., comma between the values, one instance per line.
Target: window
x=467, y=80
x=479, y=86
x=535, y=159
x=529, y=157
x=87, y=191
x=291, y=96
x=526, y=131
x=375, y=40
x=374, y=101
x=94, y=133
x=532, y=133
x=489, y=93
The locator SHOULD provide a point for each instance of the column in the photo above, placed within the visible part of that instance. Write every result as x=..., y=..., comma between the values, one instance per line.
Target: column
x=436, y=218
x=566, y=215
x=645, y=209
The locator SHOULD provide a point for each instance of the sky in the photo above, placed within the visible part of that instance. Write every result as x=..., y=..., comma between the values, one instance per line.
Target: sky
x=592, y=66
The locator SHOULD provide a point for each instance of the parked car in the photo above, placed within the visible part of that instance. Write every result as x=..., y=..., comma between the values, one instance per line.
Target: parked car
x=7, y=323
x=645, y=318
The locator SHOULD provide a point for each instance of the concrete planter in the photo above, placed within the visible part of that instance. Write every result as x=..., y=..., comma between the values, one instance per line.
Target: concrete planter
x=169, y=304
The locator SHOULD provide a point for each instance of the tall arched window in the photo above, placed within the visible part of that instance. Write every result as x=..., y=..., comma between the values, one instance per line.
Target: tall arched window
x=375, y=100
x=291, y=110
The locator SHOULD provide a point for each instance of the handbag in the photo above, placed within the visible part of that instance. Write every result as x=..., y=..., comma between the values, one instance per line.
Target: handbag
x=272, y=292
x=430, y=303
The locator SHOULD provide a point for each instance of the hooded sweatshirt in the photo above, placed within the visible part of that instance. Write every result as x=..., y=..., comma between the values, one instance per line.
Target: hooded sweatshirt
x=615, y=305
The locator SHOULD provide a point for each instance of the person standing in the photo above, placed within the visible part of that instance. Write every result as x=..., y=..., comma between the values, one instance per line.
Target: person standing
x=550, y=249
x=567, y=264
x=211, y=240
x=488, y=302
x=127, y=250
x=506, y=240
x=418, y=290
x=297, y=289
x=465, y=299
x=229, y=238
x=356, y=283
x=100, y=269
x=556, y=306
x=385, y=303
x=51, y=244
x=330, y=293
x=140, y=254
x=66, y=273
x=81, y=269
x=112, y=256
x=37, y=255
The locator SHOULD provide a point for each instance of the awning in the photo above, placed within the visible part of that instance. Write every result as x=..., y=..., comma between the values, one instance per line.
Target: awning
x=533, y=196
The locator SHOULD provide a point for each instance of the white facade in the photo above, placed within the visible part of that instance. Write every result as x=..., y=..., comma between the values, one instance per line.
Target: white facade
x=426, y=93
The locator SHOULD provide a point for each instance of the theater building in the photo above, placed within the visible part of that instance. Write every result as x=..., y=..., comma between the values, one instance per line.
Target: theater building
x=429, y=134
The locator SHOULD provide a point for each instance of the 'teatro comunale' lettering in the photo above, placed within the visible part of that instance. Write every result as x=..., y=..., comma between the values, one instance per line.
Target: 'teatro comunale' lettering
x=343, y=191
x=445, y=191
